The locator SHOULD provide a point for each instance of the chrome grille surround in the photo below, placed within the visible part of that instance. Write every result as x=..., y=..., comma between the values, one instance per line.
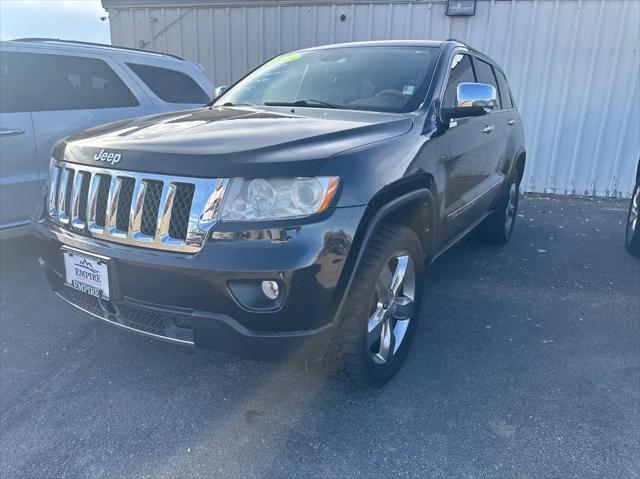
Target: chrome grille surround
x=73, y=186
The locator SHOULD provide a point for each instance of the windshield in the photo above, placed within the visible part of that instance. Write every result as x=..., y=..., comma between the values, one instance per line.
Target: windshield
x=387, y=79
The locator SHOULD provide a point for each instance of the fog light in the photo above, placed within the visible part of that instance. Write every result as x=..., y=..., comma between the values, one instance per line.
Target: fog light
x=271, y=289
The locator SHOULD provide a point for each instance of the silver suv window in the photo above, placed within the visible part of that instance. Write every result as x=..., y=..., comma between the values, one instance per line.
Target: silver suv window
x=60, y=82
x=170, y=85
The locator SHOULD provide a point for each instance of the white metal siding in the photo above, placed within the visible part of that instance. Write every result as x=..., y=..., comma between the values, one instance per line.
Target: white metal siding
x=573, y=64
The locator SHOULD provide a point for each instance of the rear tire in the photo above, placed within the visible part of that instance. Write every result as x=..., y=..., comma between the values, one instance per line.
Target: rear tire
x=378, y=321
x=497, y=228
x=632, y=233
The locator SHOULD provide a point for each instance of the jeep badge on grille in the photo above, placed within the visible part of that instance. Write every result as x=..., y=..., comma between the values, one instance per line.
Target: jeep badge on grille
x=111, y=158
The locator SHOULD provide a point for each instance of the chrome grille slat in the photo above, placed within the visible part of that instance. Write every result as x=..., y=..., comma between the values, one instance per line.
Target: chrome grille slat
x=135, y=214
x=63, y=214
x=139, y=209
x=112, y=207
x=54, y=176
x=164, y=211
x=76, y=222
x=92, y=205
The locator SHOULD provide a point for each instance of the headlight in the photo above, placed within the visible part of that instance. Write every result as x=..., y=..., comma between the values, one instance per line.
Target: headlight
x=258, y=199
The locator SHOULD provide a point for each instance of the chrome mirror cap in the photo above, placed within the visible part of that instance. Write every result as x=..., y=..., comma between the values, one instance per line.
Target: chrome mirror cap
x=477, y=94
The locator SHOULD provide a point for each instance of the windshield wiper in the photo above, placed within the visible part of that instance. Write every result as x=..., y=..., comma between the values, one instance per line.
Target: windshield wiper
x=237, y=104
x=310, y=103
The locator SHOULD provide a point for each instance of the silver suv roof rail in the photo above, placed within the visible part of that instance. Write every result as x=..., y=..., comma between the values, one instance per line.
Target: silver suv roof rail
x=91, y=44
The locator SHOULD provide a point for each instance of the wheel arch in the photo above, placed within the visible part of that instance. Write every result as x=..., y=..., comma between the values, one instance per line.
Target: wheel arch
x=410, y=202
x=519, y=164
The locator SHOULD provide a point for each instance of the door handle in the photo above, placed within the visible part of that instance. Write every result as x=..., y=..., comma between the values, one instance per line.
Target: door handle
x=488, y=129
x=511, y=122
x=11, y=132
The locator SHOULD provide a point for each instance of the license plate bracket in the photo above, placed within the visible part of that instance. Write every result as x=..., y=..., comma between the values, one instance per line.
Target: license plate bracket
x=87, y=273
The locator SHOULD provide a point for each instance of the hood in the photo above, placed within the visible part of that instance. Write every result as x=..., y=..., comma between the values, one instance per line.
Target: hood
x=233, y=141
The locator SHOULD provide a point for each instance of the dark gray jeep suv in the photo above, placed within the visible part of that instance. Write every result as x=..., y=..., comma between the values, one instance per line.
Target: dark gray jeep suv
x=294, y=215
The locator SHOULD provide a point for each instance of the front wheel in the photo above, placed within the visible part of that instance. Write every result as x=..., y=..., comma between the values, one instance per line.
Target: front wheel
x=632, y=236
x=381, y=309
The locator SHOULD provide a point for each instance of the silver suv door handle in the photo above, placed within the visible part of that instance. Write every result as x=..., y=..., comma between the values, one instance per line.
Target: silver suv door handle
x=488, y=129
x=511, y=122
x=11, y=132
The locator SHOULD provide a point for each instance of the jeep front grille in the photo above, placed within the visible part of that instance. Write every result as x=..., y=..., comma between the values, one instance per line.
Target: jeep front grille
x=142, y=209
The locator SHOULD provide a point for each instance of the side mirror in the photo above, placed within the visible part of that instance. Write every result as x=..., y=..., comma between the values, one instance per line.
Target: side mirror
x=219, y=91
x=474, y=99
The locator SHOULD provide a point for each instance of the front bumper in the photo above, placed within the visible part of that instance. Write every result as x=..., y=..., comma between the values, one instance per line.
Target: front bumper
x=189, y=298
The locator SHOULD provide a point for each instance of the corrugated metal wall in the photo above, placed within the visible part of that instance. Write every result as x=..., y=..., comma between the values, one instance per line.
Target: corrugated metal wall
x=573, y=64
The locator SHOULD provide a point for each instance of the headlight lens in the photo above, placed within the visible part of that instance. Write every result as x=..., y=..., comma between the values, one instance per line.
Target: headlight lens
x=257, y=199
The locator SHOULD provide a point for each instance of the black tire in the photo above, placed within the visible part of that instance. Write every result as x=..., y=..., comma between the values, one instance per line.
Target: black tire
x=497, y=228
x=632, y=232
x=349, y=354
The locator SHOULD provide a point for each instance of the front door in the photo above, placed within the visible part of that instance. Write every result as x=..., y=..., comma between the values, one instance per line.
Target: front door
x=466, y=165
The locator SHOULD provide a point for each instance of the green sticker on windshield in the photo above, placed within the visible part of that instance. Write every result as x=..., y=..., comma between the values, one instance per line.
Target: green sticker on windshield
x=285, y=59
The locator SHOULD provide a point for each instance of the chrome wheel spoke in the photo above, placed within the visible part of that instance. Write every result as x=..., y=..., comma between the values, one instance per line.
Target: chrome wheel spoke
x=387, y=342
x=512, y=204
x=635, y=207
x=399, y=274
x=374, y=326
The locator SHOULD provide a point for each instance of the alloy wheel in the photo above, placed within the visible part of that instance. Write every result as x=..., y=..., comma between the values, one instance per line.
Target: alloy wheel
x=392, y=307
x=632, y=223
x=512, y=207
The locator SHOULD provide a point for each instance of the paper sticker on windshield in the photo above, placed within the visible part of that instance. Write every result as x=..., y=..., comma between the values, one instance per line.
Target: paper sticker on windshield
x=408, y=90
x=285, y=59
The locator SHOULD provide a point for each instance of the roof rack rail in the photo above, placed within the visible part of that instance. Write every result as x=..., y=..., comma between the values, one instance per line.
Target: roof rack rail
x=461, y=42
x=91, y=44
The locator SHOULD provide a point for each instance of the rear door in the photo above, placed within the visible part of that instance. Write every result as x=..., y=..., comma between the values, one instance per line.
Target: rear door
x=509, y=120
x=495, y=138
x=19, y=189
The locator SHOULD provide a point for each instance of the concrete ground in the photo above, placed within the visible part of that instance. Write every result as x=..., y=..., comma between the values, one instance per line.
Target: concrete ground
x=526, y=364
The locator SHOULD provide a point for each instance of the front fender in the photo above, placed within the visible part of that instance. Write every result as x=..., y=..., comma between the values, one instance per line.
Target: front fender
x=417, y=205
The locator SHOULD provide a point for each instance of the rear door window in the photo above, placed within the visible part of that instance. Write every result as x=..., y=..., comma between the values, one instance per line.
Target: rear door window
x=171, y=86
x=485, y=75
x=461, y=71
x=62, y=82
x=505, y=94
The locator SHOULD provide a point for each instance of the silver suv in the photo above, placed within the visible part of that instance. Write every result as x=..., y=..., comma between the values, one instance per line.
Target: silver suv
x=52, y=88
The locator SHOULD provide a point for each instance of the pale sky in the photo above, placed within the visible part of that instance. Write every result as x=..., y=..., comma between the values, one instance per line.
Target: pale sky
x=64, y=19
